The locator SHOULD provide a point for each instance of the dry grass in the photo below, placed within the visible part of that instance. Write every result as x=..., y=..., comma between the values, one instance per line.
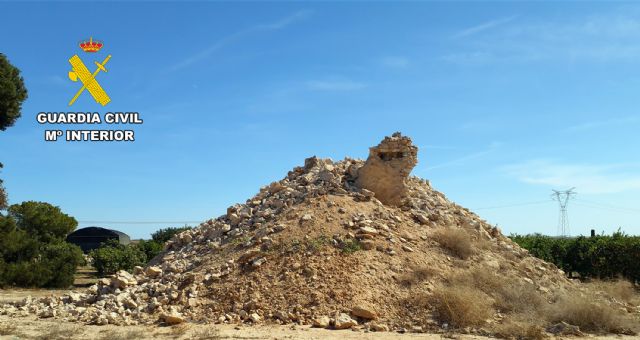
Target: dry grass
x=590, y=316
x=518, y=297
x=209, y=333
x=61, y=332
x=621, y=290
x=520, y=330
x=456, y=240
x=7, y=329
x=461, y=306
x=120, y=335
x=417, y=275
x=509, y=295
x=179, y=330
x=481, y=278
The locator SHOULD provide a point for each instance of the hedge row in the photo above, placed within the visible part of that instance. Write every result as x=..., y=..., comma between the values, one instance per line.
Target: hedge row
x=601, y=256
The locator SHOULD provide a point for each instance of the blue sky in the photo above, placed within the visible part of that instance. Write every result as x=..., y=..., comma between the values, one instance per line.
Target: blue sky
x=505, y=100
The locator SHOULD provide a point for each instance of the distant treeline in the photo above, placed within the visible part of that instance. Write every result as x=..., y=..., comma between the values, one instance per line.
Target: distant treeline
x=600, y=256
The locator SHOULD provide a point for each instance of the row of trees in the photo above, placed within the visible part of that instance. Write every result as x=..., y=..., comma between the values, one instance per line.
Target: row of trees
x=601, y=256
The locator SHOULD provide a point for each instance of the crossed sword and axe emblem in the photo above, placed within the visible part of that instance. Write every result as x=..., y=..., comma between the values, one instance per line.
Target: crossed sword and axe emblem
x=89, y=82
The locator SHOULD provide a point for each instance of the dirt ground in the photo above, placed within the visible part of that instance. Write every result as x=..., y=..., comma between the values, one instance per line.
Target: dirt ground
x=84, y=277
x=49, y=329
x=32, y=328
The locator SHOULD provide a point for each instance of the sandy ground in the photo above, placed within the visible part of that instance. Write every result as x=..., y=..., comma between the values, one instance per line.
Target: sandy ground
x=31, y=328
x=49, y=329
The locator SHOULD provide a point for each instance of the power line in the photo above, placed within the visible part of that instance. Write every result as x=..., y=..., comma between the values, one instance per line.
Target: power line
x=616, y=210
x=513, y=205
x=563, y=198
x=608, y=206
x=142, y=222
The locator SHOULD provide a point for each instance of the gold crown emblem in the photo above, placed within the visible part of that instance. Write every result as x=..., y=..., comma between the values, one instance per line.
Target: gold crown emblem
x=90, y=45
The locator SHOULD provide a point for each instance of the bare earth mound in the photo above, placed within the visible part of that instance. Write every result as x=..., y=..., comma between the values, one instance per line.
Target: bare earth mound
x=348, y=244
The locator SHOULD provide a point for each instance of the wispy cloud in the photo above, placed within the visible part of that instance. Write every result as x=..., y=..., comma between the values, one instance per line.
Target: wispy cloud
x=275, y=26
x=394, y=62
x=335, y=85
x=603, y=37
x=587, y=178
x=483, y=27
x=604, y=123
x=465, y=158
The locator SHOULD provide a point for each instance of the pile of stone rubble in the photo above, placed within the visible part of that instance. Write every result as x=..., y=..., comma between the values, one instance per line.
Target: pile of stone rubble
x=324, y=246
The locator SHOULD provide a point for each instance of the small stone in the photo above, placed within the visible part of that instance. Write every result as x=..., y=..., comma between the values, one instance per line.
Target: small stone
x=123, y=279
x=344, y=321
x=407, y=248
x=422, y=218
x=543, y=289
x=254, y=317
x=172, y=318
x=367, y=231
x=364, y=312
x=258, y=262
x=321, y=322
x=137, y=270
x=378, y=327
x=153, y=271
x=367, y=244
x=563, y=328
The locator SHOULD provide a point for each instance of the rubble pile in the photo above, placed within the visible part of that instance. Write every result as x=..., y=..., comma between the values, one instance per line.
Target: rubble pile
x=326, y=246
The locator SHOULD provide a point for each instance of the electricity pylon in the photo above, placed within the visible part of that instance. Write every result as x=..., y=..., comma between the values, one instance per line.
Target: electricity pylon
x=563, y=219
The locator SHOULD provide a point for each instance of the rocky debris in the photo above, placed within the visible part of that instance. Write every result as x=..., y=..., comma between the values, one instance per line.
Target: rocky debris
x=378, y=327
x=321, y=322
x=122, y=279
x=563, y=328
x=325, y=238
x=344, y=321
x=364, y=312
x=387, y=168
x=153, y=271
x=172, y=318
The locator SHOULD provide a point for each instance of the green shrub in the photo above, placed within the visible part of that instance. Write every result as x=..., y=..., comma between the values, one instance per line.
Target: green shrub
x=61, y=259
x=113, y=256
x=54, y=267
x=351, y=246
x=163, y=235
x=149, y=248
x=601, y=256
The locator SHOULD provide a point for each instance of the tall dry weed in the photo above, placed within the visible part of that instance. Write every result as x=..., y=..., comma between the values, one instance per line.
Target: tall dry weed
x=461, y=306
x=456, y=240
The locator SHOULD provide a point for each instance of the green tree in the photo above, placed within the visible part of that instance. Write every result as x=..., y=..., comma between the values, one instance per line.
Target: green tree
x=163, y=235
x=12, y=93
x=43, y=221
x=33, y=252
